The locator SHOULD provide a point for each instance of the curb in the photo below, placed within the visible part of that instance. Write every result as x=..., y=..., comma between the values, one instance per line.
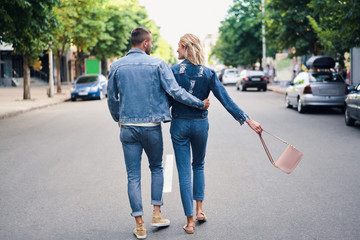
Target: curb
x=15, y=113
x=277, y=91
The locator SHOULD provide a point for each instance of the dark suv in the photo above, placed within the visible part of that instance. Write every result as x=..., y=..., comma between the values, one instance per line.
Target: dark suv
x=352, y=105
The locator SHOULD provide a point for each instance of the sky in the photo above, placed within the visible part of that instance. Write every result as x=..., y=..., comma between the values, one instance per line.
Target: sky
x=175, y=18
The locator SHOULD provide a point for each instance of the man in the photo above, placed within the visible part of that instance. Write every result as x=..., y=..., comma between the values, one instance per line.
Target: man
x=137, y=99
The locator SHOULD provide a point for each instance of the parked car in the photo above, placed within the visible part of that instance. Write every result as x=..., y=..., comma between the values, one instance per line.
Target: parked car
x=251, y=79
x=320, y=86
x=352, y=106
x=230, y=76
x=89, y=87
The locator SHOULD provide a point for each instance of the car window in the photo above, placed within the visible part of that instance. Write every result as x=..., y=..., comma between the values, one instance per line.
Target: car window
x=325, y=77
x=301, y=78
x=256, y=73
x=232, y=72
x=87, y=79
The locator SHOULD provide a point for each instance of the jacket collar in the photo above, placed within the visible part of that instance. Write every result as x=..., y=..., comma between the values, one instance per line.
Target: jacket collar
x=186, y=61
x=135, y=50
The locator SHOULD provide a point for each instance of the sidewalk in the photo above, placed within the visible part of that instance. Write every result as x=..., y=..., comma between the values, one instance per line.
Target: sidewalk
x=12, y=103
x=277, y=88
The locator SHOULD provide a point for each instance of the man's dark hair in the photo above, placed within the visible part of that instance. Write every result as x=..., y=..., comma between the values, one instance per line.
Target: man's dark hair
x=138, y=35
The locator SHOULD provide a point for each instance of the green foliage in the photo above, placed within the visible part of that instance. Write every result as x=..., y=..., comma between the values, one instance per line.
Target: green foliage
x=164, y=51
x=98, y=27
x=288, y=26
x=121, y=18
x=89, y=23
x=240, y=34
x=65, y=14
x=337, y=24
x=27, y=25
x=114, y=40
x=139, y=18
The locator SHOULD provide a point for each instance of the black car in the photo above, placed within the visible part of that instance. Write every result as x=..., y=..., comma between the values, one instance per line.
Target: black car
x=352, y=106
x=251, y=79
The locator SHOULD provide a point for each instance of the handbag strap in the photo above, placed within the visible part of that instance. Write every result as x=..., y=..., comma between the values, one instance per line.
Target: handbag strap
x=280, y=139
x=266, y=149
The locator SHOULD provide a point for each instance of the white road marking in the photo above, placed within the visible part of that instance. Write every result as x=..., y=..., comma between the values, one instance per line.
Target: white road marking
x=168, y=173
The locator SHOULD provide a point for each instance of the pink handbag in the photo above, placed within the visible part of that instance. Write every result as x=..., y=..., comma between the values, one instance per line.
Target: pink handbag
x=288, y=160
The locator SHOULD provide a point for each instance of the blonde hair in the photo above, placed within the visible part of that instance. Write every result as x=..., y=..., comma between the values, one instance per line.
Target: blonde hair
x=193, y=50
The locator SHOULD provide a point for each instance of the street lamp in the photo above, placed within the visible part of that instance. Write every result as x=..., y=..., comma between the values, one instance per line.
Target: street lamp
x=51, y=73
x=263, y=34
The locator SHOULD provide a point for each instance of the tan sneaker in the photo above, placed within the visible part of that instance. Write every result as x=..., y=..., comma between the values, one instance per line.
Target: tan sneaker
x=159, y=221
x=140, y=231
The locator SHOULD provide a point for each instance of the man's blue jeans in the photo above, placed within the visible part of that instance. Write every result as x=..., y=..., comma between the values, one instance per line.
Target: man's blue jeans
x=186, y=133
x=134, y=139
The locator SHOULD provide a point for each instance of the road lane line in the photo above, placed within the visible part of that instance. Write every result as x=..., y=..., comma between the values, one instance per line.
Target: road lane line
x=168, y=173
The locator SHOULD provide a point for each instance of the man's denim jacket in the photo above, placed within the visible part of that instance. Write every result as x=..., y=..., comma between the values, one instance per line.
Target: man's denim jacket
x=199, y=81
x=137, y=89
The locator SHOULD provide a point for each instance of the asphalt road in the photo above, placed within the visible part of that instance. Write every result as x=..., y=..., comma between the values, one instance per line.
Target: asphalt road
x=62, y=176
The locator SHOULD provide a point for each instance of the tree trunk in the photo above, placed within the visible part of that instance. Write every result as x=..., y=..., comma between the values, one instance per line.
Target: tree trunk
x=26, y=73
x=316, y=49
x=58, y=71
x=79, y=63
x=104, y=67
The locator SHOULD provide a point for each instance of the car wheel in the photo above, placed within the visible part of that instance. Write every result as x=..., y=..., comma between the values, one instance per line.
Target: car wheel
x=300, y=106
x=287, y=102
x=265, y=89
x=73, y=99
x=237, y=87
x=243, y=88
x=348, y=120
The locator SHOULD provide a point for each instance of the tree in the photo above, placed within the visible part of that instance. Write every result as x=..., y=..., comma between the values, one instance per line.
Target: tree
x=115, y=38
x=336, y=24
x=288, y=27
x=240, y=34
x=62, y=35
x=164, y=51
x=27, y=25
x=88, y=26
x=121, y=19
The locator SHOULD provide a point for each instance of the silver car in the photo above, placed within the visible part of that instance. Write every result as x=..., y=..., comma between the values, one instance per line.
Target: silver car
x=320, y=86
x=316, y=88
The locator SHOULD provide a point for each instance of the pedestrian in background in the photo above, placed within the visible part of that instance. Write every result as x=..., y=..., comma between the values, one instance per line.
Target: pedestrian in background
x=189, y=127
x=137, y=99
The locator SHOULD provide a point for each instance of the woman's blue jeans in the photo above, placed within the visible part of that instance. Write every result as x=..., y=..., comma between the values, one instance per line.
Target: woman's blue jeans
x=134, y=139
x=186, y=133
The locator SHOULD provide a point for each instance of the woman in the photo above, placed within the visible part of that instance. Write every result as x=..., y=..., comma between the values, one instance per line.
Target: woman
x=190, y=126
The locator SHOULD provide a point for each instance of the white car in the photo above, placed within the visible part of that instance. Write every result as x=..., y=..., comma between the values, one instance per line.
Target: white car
x=230, y=76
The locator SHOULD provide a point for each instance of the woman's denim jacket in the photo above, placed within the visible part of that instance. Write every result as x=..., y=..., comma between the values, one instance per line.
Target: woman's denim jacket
x=199, y=81
x=137, y=89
